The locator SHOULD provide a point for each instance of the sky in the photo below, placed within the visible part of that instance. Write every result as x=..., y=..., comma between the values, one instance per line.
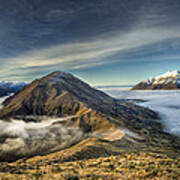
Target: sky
x=104, y=42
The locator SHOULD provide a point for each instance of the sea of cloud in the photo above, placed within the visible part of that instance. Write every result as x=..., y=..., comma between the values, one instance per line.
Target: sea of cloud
x=166, y=103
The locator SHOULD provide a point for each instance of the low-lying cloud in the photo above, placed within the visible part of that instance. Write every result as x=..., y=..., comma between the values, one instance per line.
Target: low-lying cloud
x=166, y=103
x=20, y=139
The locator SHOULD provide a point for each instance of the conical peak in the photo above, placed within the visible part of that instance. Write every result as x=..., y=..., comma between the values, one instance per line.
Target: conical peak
x=57, y=94
x=57, y=75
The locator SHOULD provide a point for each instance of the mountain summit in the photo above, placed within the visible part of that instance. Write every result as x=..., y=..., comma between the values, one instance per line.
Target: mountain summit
x=169, y=80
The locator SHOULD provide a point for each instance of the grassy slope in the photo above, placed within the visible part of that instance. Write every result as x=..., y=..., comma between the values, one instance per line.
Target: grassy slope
x=125, y=166
x=96, y=159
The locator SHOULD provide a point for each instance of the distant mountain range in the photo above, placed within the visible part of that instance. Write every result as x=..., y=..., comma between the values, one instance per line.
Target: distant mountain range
x=167, y=81
x=7, y=88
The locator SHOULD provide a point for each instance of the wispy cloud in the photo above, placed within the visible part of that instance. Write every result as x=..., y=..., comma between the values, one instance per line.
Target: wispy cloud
x=78, y=55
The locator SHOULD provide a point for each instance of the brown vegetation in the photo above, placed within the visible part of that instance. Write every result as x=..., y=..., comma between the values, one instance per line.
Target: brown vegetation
x=133, y=165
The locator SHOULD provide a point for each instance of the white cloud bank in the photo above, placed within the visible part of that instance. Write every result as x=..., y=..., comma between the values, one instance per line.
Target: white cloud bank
x=20, y=139
x=166, y=103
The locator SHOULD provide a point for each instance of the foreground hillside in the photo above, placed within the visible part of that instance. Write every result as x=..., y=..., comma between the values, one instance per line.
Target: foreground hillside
x=135, y=165
x=167, y=81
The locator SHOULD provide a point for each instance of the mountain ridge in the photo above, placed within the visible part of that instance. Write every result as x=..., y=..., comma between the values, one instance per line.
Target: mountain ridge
x=167, y=81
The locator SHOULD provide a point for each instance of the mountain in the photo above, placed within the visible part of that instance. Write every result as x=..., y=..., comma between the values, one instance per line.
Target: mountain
x=116, y=125
x=58, y=94
x=167, y=81
x=61, y=94
x=7, y=88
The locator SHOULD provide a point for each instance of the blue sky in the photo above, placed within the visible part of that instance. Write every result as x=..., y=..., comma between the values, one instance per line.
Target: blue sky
x=104, y=42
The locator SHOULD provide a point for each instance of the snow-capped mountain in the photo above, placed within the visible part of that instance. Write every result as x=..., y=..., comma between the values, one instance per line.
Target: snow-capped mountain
x=169, y=80
x=7, y=88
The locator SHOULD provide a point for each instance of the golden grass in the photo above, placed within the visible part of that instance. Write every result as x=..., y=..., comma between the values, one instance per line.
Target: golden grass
x=137, y=165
